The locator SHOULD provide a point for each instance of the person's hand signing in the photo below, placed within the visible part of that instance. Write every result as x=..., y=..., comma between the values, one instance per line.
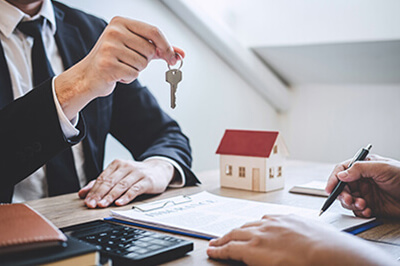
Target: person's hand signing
x=123, y=50
x=373, y=186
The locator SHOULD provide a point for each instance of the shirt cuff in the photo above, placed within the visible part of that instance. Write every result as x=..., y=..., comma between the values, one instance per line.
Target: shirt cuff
x=68, y=127
x=179, y=178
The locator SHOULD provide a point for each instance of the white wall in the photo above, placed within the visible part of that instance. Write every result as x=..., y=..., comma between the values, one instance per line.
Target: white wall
x=330, y=123
x=210, y=99
x=325, y=123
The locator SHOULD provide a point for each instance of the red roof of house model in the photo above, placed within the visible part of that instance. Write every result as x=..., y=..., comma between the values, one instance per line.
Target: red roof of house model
x=247, y=143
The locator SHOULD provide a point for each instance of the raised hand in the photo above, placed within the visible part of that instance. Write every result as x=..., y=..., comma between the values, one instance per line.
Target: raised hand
x=123, y=50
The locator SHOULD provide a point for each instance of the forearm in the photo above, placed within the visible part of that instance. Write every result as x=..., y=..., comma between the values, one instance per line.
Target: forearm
x=348, y=250
x=73, y=91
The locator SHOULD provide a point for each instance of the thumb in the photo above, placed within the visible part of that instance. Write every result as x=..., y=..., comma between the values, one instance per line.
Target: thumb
x=179, y=54
x=360, y=169
x=85, y=190
x=179, y=51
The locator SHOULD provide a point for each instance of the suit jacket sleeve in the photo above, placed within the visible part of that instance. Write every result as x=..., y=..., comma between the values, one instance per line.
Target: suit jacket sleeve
x=140, y=125
x=30, y=134
x=136, y=120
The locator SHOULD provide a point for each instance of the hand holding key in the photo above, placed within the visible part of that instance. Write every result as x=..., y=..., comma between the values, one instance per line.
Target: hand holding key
x=173, y=77
x=124, y=49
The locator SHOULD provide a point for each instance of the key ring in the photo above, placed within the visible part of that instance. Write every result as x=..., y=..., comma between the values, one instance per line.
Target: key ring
x=181, y=59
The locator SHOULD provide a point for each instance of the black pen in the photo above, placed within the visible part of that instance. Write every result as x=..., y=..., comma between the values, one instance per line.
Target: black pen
x=360, y=155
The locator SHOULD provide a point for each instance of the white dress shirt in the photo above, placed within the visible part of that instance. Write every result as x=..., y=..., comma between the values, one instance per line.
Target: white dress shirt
x=17, y=50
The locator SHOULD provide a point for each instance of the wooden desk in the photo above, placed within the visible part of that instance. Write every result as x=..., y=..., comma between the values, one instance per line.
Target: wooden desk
x=69, y=209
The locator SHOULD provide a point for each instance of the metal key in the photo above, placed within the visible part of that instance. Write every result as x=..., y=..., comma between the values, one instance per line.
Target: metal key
x=173, y=77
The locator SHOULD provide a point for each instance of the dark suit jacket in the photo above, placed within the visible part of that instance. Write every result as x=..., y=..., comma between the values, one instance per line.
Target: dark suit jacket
x=30, y=132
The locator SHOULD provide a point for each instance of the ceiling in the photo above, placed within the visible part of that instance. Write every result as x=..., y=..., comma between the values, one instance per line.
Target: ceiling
x=375, y=62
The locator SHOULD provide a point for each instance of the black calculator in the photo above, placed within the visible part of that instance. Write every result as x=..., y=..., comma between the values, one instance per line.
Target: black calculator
x=128, y=245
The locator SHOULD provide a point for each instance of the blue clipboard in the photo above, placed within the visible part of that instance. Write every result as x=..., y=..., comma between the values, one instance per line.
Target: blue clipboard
x=353, y=231
x=364, y=227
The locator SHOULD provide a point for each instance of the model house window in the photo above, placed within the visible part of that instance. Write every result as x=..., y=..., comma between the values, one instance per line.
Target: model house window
x=242, y=171
x=275, y=149
x=271, y=172
x=228, y=169
x=279, y=171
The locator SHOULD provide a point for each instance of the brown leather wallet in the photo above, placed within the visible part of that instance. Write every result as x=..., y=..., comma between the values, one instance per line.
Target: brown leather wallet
x=22, y=228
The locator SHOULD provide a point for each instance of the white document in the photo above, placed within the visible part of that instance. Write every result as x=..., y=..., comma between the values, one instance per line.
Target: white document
x=315, y=187
x=208, y=215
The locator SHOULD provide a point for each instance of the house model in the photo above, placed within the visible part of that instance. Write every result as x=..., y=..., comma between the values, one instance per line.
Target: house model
x=252, y=160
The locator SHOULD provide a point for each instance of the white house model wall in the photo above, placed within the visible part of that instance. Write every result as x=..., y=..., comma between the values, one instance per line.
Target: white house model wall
x=255, y=173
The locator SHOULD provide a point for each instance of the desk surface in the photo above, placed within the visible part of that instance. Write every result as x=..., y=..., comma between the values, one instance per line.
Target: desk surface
x=68, y=209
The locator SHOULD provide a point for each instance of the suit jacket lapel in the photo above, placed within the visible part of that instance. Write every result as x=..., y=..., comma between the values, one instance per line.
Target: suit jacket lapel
x=69, y=41
x=6, y=94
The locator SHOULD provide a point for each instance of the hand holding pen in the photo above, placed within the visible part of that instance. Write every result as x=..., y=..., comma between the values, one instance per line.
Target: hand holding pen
x=361, y=155
x=373, y=186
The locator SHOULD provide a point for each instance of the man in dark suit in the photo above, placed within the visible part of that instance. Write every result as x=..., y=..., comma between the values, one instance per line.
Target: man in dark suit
x=95, y=92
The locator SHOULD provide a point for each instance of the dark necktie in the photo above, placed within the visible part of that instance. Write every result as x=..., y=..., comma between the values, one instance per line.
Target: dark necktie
x=60, y=170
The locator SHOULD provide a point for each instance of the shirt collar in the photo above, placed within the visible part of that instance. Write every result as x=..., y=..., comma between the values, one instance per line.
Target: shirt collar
x=10, y=16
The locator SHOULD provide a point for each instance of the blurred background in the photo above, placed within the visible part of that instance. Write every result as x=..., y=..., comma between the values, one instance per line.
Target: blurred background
x=326, y=74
